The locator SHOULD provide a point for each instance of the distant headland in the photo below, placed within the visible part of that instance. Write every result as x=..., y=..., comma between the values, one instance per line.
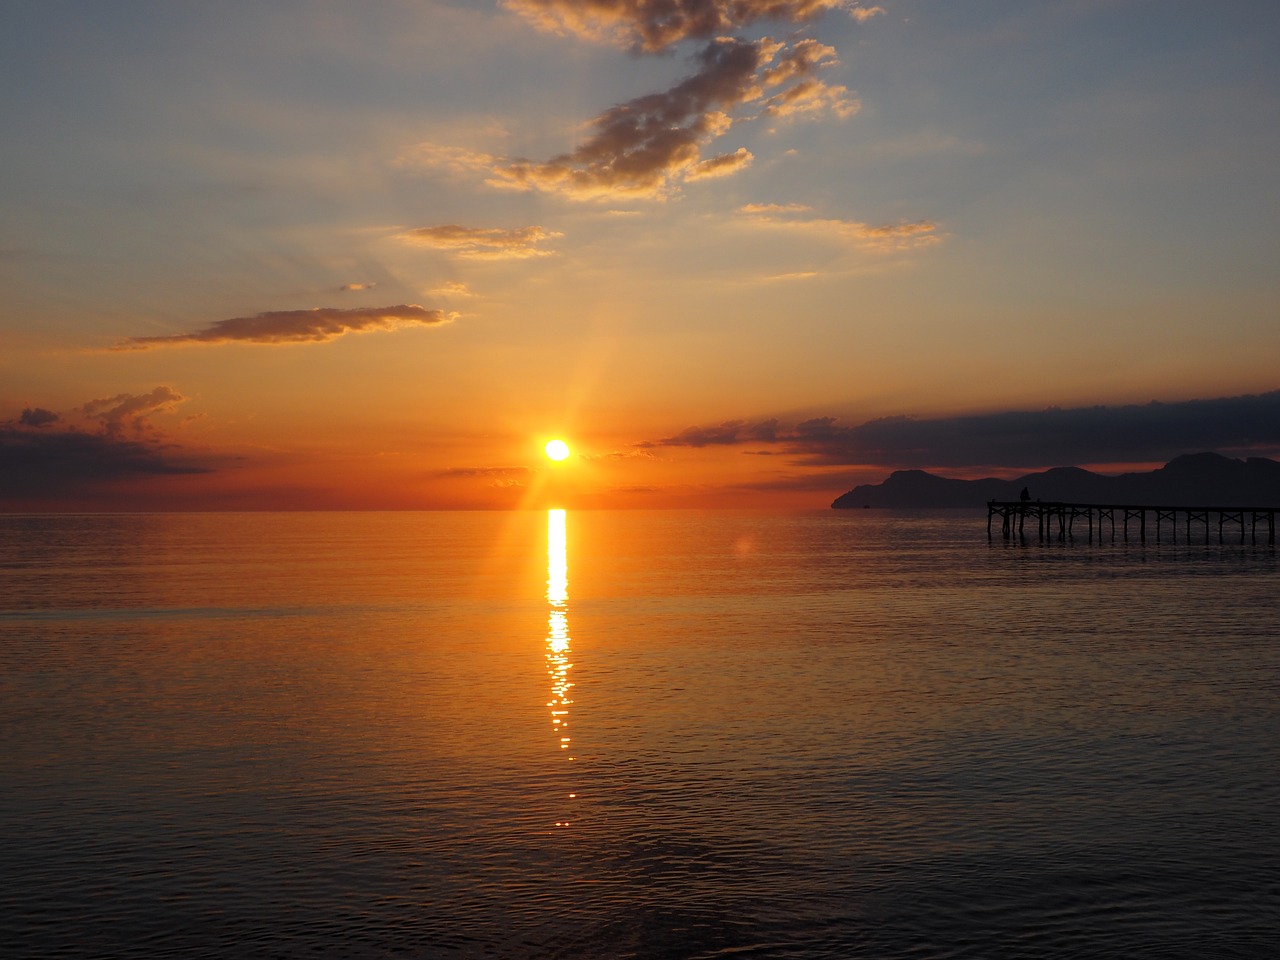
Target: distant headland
x=1195, y=478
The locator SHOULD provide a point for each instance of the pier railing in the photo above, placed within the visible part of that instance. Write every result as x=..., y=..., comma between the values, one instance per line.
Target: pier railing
x=1056, y=519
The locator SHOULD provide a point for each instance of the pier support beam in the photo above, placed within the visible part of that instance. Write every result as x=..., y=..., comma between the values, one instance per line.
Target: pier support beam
x=1013, y=519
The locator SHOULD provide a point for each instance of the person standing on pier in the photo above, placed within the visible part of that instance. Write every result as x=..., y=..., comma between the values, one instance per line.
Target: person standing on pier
x=1025, y=495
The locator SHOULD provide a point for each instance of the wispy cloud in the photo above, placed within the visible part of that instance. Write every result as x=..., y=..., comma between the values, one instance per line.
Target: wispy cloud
x=318, y=325
x=784, y=277
x=1023, y=439
x=356, y=287
x=863, y=14
x=498, y=477
x=910, y=235
x=772, y=209
x=452, y=288
x=654, y=25
x=722, y=434
x=483, y=243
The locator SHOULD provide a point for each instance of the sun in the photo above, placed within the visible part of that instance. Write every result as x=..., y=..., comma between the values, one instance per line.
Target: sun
x=557, y=449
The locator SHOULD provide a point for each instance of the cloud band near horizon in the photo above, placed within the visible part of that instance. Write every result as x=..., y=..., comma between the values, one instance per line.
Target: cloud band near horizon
x=1014, y=439
x=317, y=325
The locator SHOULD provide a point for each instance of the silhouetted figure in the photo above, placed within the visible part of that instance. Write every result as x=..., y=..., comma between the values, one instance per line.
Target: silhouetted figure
x=1025, y=495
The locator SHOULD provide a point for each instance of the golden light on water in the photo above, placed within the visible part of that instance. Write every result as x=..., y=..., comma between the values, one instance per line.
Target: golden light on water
x=558, y=663
x=557, y=648
x=557, y=561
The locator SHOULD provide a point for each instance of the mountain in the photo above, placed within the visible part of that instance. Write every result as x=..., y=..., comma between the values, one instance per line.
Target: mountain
x=1193, y=480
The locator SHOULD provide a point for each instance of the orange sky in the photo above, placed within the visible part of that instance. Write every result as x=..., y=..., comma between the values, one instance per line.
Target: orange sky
x=369, y=258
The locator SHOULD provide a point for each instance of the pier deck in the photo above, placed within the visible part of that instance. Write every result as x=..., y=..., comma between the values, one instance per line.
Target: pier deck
x=1057, y=519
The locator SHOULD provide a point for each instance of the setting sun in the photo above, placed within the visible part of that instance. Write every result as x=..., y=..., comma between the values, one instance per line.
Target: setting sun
x=557, y=449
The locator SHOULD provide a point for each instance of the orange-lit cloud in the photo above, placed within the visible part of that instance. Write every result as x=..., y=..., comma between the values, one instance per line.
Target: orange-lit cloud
x=452, y=288
x=784, y=277
x=721, y=166
x=318, y=325
x=654, y=25
x=769, y=209
x=885, y=237
x=356, y=287
x=807, y=94
x=131, y=413
x=480, y=243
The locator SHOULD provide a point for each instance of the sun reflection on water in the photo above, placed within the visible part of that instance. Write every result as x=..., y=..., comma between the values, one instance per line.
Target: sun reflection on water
x=557, y=652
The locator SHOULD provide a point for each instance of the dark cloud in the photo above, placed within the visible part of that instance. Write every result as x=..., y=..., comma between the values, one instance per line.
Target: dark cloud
x=39, y=417
x=47, y=454
x=653, y=25
x=723, y=434
x=318, y=325
x=43, y=463
x=1054, y=437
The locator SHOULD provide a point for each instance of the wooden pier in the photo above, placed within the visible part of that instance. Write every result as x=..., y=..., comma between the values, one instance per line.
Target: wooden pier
x=1056, y=520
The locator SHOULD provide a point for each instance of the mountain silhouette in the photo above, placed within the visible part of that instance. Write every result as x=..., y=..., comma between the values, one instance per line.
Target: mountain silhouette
x=1192, y=480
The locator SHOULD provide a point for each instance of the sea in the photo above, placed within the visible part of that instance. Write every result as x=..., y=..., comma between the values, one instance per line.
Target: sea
x=643, y=734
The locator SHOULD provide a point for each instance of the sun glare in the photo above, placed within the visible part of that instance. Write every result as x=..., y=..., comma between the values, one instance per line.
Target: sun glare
x=557, y=449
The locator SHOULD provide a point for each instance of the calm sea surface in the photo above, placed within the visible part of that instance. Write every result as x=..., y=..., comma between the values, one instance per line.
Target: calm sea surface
x=645, y=734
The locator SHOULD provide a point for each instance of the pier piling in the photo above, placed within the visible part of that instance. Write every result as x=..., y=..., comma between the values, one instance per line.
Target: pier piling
x=1050, y=513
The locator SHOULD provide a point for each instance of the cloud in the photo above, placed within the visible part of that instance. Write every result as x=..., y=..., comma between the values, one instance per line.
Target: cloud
x=644, y=148
x=59, y=462
x=797, y=65
x=1023, y=439
x=41, y=455
x=457, y=161
x=784, y=277
x=452, y=288
x=479, y=243
x=130, y=413
x=863, y=14
x=767, y=209
x=654, y=25
x=318, y=325
x=355, y=287
x=498, y=477
x=726, y=433
x=633, y=454
x=38, y=417
x=886, y=237
x=721, y=166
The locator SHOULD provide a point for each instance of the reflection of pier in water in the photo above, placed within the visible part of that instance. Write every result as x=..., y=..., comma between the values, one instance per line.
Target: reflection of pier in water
x=557, y=652
x=1049, y=515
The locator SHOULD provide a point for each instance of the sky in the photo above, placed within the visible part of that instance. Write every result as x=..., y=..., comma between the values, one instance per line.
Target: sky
x=737, y=253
